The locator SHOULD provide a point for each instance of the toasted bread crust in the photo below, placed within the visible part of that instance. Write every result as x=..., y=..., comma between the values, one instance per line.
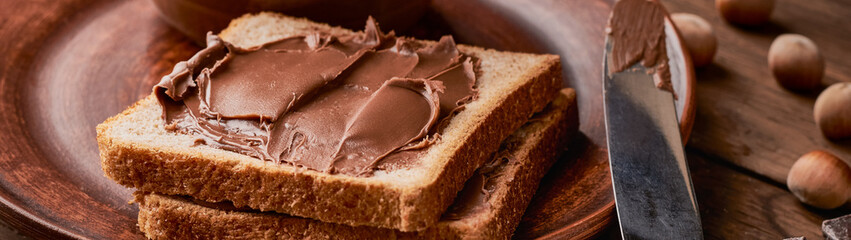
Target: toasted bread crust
x=167, y=217
x=216, y=175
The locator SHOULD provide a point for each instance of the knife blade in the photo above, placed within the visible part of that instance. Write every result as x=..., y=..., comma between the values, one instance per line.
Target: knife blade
x=654, y=195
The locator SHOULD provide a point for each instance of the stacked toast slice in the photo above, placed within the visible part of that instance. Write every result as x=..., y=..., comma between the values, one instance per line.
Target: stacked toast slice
x=510, y=178
x=192, y=191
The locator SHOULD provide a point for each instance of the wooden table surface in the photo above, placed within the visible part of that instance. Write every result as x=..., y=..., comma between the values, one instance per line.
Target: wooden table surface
x=748, y=130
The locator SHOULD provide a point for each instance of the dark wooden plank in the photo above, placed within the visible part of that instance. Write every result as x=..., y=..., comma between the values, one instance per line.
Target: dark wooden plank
x=743, y=116
x=735, y=205
x=9, y=233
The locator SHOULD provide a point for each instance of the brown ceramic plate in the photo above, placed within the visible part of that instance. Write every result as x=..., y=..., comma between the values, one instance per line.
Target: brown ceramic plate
x=67, y=65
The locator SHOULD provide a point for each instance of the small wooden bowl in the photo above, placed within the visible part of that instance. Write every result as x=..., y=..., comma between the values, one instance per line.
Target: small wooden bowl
x=69, y=65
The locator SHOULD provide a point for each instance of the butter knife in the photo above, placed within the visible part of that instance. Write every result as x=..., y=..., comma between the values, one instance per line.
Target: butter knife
x=653, y=190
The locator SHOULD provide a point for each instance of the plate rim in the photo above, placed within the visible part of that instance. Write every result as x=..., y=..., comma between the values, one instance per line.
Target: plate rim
x=32, y=224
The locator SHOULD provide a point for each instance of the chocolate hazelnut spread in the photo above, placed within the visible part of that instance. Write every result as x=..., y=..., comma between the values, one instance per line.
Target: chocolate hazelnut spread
x=337, y=104
x=637, y=33
x=475, y=196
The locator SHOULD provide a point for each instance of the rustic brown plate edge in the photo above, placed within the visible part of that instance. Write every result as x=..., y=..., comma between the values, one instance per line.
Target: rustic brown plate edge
x=45, y=225
x=29, y=224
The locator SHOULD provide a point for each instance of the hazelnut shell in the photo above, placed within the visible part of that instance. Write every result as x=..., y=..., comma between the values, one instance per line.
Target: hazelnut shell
x=795, y=62
x=832, y=111
x=820, y=179
x=698, y=37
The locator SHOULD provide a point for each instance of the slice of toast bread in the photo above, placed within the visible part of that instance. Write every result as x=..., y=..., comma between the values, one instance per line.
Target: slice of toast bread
x=137, y=151
x=524, y=157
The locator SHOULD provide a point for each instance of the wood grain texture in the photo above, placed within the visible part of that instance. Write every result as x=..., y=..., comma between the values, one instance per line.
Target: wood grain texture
x=743, y=115
x=71, y=64
x=749, y=131
x=736, y=205
x=9, y=233
x=59, y=60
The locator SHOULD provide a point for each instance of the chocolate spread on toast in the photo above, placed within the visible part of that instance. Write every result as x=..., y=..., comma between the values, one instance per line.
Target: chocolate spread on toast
x=337, y=104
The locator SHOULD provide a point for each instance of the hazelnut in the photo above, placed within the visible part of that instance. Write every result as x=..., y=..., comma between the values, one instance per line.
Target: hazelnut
x=821, y=180
x=832, y=111
x=745, y=12
x=698, y=37
x=796, y=62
